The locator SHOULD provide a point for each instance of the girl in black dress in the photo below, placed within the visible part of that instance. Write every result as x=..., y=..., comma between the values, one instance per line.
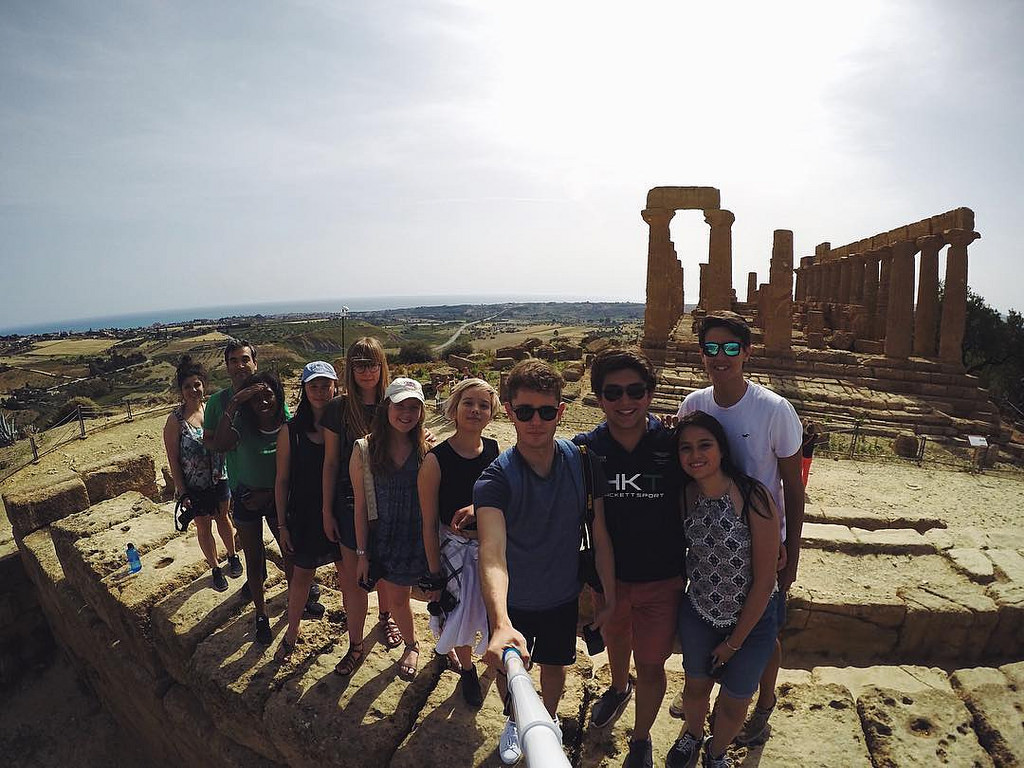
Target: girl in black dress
x=298, y=491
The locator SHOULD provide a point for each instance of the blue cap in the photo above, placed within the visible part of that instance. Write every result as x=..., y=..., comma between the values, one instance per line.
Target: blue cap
x=318, y=369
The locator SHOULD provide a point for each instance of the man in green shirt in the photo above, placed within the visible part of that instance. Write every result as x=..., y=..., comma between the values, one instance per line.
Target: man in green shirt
x=251, y=459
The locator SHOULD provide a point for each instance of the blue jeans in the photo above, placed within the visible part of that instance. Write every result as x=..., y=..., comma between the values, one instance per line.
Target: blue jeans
x=741, y=674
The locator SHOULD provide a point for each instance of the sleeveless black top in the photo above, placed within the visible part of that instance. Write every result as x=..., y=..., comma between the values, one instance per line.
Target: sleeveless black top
x=458, y=475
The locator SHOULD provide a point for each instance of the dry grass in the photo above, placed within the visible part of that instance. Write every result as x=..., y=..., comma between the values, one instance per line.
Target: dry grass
x=545, y=333
x=71, y=347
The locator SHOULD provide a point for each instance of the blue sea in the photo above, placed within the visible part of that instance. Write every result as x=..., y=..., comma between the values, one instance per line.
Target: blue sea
x=354, y=304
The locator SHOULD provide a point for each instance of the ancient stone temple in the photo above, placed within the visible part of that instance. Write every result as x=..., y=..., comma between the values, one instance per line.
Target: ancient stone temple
x=849, y=340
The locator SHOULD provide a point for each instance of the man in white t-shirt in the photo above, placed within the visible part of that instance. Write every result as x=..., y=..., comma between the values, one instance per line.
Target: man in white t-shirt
x=765, y=437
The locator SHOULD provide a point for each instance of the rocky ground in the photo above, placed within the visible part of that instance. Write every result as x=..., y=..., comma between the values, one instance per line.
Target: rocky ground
x=884, y=531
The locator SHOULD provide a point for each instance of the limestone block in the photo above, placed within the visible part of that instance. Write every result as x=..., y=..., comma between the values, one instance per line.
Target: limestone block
x=1007, y=639
x=117, y=474
x=836, y=633
x=942, y=539
x=192, y=613
x=198, y=741
x=503, y=363
x=856, y=517
x=837, y=538
x=608, y=746
x=531, y=343
x=316, y=718
x=460, y=362
x=1014, y=673
x=868, y=346
x=894, y=541
x=545, y=352
x=516, y=353
x=843, y=340
x=804, y=713
x=684, y=198
x=30, y=508
x=1009, y=564
x=947, y=621
x=923, y=728
x=91, y=549
x=906, y=445
x=455, y=735
x=998, y=708
x=233, y=677
x=573, y=372
x=816, y=340
x=972, y=563
x=907, y=678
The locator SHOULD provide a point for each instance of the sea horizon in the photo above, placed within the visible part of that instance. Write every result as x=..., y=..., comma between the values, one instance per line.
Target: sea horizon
x=333, y=305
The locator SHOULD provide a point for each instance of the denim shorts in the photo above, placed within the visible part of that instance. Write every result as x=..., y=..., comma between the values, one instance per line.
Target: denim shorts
x=742, y=673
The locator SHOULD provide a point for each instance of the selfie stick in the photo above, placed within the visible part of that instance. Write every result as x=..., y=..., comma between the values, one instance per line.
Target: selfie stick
x=539, y=737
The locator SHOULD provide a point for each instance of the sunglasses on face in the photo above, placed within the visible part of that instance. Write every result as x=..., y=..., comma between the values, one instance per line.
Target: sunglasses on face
x=363, y=366
x=525, y=412
x=636, y=391
x=731, y=348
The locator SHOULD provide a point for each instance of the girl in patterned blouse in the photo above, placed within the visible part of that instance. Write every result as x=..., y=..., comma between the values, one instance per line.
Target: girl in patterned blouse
x=728, y=616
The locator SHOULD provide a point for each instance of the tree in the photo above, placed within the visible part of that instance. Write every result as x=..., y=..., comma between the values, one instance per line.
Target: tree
x=993, y=350
x=415, y=352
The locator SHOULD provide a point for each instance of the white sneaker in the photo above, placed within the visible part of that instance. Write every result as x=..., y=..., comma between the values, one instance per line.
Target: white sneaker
x=508, y=745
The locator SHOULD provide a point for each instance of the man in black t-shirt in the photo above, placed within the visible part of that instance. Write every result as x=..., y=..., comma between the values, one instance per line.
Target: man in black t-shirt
x=643, y=520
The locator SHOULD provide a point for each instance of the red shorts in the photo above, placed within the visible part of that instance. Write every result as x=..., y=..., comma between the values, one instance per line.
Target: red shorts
x=647, y=611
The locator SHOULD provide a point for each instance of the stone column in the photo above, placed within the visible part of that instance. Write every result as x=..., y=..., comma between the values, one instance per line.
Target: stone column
x=856, y=278
x=899, y=324
x=719, y=291
x=926, y=314
x=954, y=296
x=834, y=279
x=870, y=291
x=845, y=274
x=882, y=304
x=658, y=320
x=702, y=299
x=751, y=287
x=676, y=288
x=778, y=325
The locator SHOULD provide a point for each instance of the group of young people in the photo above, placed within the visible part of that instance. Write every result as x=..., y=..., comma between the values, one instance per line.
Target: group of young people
x=693, y=523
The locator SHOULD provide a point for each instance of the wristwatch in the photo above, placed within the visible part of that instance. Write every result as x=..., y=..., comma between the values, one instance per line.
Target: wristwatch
x=360, y=553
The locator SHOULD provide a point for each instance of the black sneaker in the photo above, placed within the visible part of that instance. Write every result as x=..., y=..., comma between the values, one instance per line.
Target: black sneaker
x=262, y=633
x=219, y=582
x=313, y=609
x=234, y=566
x=684, y=752
x=470, y=683
x=640, y=755
x=610, y=705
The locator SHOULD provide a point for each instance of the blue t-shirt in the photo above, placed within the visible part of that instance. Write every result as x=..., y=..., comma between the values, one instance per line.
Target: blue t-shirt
x=641, y=504
x=543, y=516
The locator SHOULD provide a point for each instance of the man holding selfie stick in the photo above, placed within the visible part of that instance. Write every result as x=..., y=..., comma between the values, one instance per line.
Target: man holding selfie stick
x=530, y=506
x=641, y=507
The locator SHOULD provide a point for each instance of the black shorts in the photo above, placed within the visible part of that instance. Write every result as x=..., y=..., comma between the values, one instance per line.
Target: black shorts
x=550, y=633
x=249, y=506
x=206, y=503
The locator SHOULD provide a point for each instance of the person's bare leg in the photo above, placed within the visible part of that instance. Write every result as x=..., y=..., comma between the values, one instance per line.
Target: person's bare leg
x=729, y=714
x=464, y=654
x=696, y=701
x=766, y=689
x=252, y=547
x=552, y=683
x=204, y=532
x=619, y=646
x=355, y=597
x=298, y=594
x=401, y=611
x=650, y=690
x=225, y=530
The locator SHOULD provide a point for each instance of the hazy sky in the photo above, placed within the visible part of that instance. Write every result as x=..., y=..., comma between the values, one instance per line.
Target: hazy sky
x=178, y=154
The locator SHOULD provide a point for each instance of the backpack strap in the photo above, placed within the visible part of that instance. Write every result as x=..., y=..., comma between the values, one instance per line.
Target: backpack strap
x=369, y=493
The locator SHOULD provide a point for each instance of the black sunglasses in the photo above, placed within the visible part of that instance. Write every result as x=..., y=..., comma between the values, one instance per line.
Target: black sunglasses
x=362, y=366
x=731, y=348
x=525, y=412
x=636, y=391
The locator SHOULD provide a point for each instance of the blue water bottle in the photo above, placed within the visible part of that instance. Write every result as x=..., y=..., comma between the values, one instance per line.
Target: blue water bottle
x=134, y=563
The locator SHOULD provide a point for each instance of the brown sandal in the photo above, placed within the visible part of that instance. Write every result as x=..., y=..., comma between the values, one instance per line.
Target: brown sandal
x=392, y=634
x=350, y=661
x=407, y=667
x=284, y=650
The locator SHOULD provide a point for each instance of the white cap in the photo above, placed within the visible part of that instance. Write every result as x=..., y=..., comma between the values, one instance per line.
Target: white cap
x=402, y=389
